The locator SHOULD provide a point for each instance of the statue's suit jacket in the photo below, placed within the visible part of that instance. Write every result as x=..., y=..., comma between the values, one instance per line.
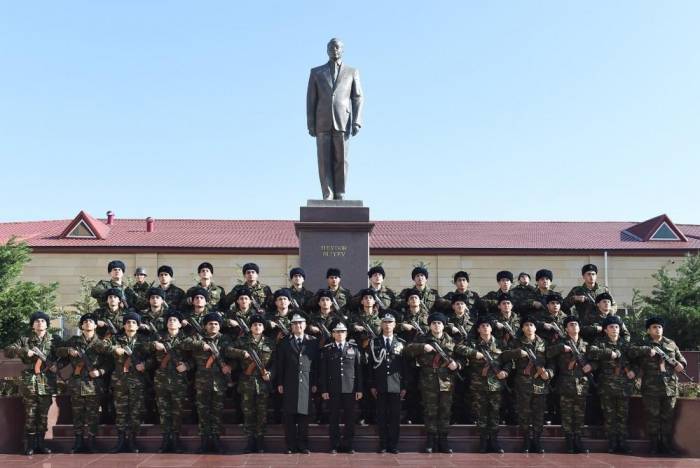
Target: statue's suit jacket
x=332, y=106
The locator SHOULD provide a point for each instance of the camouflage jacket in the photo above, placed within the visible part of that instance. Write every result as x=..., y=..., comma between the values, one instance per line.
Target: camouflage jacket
x=507, y=325
x=241, y=317
x=612, y=373
x=304, y=298
x=421, y=318
x=36, y=378
x=157, y=318
x=571, y=380
x=527, y=379
x=586, y=308
x=174, y=296
x=251, y=377
x=544, y=317
x=483, y=376
x=125, y=365
x=329, y=321
x=96, y=353
x=490, y=302
x=429, y=298
x=463, y=324
x=207, y=365
x=175, y=353
x=277, y=332
x=104, y=314
x=140, y=291
x=523, y=296
x=432, y=367
x=217, y=297
x=592, y=328
x=386, y=295
x=525, y=304
x=261, y=293
x=658, y=377
x=98, y=292
x=474, y=303
x=373, y=321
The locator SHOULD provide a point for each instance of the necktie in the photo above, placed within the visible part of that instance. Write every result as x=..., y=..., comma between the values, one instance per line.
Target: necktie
x=299, y=342
x=388, y=345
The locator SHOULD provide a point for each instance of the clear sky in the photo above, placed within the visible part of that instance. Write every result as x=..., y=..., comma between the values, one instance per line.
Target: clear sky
x=520, y=110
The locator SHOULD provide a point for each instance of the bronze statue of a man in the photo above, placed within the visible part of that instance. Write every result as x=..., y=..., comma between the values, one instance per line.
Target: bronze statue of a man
x=333, y=114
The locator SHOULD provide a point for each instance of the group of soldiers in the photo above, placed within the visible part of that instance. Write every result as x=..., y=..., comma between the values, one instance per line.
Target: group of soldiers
x=520, y=353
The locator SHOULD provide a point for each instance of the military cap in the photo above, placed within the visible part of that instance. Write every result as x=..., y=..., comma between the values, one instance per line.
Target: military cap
x=419, y=271
x=529, y=318
x=88, y=316
x=283, y=292
x=257, y=319
x=460, y=274
x=166, y=269
x=654, y=321
x=244, y=291
x=522, y=273
x=589, y=267
x=571, y=318
x=340, y=326
x=437, y=317
x=388, y=318
x=504, y=297
x=114, y=292
x=604, y=295
x=173, y=313
x=412, y=292
x=612, y=320
x=211, y=317
x=297, y=271
x=367, y=292
x=504, y=274
x=298, y=318
x=206, y=265
x=376, y=269
x=333, y=272
x=251, y=266
x=325, y=293
x=39, y=314
x=140, y=271
x=199, y=291
x=544, y=273
x=554, y=297
x=155, y=292
x=131, y=315
x=460, y=298
x=115, y=264
x=482, y=320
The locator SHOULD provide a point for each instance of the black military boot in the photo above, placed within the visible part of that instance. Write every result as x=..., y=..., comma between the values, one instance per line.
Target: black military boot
x=215, y=443
x=164, y=443
x=29, y=444
x=90, y=444
x=653, y=444
x=578, y=444
x=429, y=443
x=175, y=443
x=203, y=444
x=77, y=443
x=537, y=443
x=483, y=443
x=612, y=444
x=40, y=444
x=444, y=444
x=250, y=445
x=495, y=445
x=667, y=445
x=121, y=443
x=132, y=443
x=623, y=446
x=260, y=444
x=570, y=443
x=526, y=443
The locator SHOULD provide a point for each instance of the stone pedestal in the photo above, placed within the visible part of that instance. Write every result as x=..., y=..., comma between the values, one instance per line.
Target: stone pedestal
x=334, y=234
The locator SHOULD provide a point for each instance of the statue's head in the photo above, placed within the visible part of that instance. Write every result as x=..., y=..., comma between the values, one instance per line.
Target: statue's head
x=335, y=49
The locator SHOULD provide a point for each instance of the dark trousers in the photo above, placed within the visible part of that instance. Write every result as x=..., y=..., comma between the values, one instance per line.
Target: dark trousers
x=344, y=402
x=296, y=431
x=388, y=419
x=332, y=150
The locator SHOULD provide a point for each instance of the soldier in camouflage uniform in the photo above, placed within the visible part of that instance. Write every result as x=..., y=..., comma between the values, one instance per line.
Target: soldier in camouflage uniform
x=237, y=318
x=341, y=295
x=615, y=382
x=429, y=297
x=659, y=383
x=437, y=375
x=536, y=301
x=38, y=381
x=131, y=362
x=506, y=328
x=199, y=307
x=581, y=299
x=412, y=324
x=174, y=296
x=460, y=327
x=490, y=300
x=140, y=289
x=215, y=294
x=366, y=325
x=486, y=382
x=474, y=304
x=89, y=357
x=114, y=309
x=592, y=328
x=261, y=293
x=254, y=384
x=211, y=381
x=116, y=269
x=279, y=320
x=531, y=383
x=387, y=296
x=521, y=292
x=170, y=381
x=572, y=383
x=302, y=296
x=155, y=312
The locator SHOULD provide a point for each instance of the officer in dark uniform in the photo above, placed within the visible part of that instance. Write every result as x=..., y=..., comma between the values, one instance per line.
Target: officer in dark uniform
x=340, y=383
x=387, y=382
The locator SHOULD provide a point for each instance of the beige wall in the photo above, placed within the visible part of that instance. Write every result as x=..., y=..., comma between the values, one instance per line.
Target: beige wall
x=624, y=273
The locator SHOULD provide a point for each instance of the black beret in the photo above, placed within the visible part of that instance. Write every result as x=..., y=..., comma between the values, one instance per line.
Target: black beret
x=554, y=296
x=612, y=319
x=166, y=269
x=297, y=271
x=325, y=293
x=460, y=297
x=654, y=321
x=588, y=267
x=367, y=292
x=544, y=274
x=522, y=273
x=571, y=318
x=460, y=274
x=504, y=274
x=437, y=317
x=283, y=292
x=207, y=265
x=419, y=271
x=88, y=316
x=211, y=317
x=528, y=318
x=257, y=319
x=173, y=313
x=155, y=292
x=251, y=266
x=504, y=297
x=413, y=292
x=114, y=292
x=604, y=295
x=376, y=269
x=39, y=315
x=115, y=264
x=482, y=320
x=199, y=291
x=131, y=315
x=333, y=272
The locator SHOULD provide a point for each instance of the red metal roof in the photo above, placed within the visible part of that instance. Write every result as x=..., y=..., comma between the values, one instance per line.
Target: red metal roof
x=193, y=234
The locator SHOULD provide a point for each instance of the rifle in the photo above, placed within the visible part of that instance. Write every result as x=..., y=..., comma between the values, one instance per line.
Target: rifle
x=295, y=304
x=581, y=361
x=492, y=364
x=135, y=359
x=86, y=363
x=256, y=304
x=192, y=322
x=282, y=327
x=507, y=328
x=111, y=329
x=46, y=364
x=534, y=360
x=670, y=361
x=379, y=302
x=444, y=356
x=326, y=332
x=557, y=329
x=337, y=308
x=241, y=324
x=416, y=326
x=367, y=328
x=217, y=355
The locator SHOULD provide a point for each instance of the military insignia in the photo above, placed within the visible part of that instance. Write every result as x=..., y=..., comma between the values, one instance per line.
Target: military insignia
x=398, y=347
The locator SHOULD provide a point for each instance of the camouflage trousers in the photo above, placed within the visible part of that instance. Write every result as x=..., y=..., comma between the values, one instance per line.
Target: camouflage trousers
x=254, y=406
x=530, y=408
x=615, y=410
x=86, y=413
x=573, y=413
x=487, y=409
x=659, y=411
x=171, y=393
x=210, y=404
x=128, y=402
x=437, y=407
x=36, y=411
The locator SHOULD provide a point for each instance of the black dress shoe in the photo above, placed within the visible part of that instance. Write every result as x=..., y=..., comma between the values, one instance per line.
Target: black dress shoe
x=305, y=451
x=395, y=451
x=350, y=451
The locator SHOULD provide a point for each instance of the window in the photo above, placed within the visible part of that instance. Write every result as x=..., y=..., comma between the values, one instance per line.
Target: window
x=664, y=233
x=82, y=231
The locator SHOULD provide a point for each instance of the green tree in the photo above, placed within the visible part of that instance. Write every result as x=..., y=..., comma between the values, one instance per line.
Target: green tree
x=19, y=299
